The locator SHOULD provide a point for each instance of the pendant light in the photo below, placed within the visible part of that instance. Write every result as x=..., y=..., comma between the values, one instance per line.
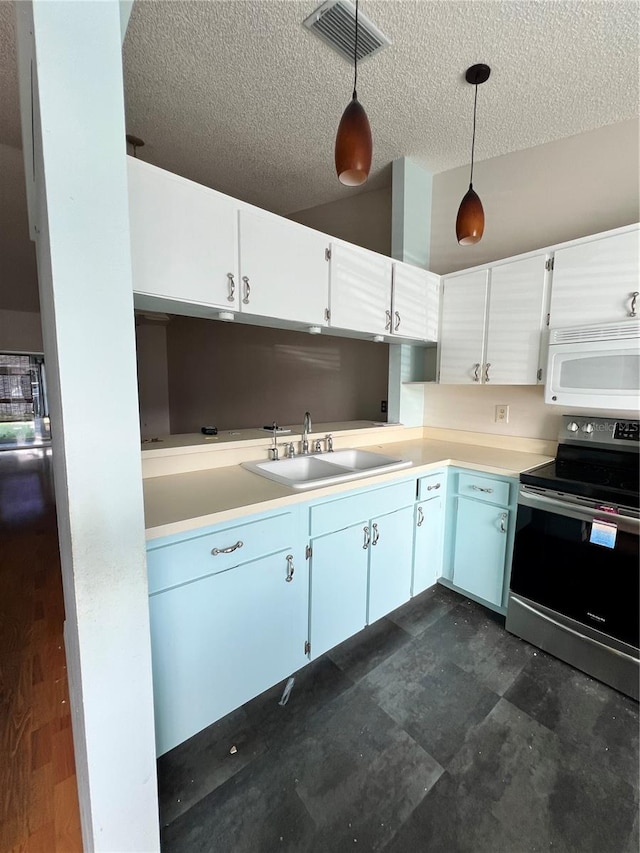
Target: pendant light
x=354, y=146
x=470, y=219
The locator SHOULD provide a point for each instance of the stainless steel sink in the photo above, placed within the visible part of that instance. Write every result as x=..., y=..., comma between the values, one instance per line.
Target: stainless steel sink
x=326, y=469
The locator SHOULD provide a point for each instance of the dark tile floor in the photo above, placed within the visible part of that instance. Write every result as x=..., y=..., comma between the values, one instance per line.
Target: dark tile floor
x=432, y=730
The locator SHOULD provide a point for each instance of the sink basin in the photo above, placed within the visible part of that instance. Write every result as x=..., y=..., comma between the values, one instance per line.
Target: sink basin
x=326, y=469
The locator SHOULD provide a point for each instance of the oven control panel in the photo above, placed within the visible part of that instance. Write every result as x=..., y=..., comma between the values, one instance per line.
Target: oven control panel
x=587, y=429
x=627, y=431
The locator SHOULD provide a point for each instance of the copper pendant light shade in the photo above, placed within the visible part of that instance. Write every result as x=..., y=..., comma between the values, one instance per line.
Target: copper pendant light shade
x=470, y=219
x=354, y=145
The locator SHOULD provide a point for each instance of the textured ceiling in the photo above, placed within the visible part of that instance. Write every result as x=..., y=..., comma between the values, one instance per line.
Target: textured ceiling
x=238, y=95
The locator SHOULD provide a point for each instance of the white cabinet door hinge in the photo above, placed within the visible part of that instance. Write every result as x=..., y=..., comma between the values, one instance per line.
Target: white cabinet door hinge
x=307, y=647
x=308, y=551
x=327, y=314
x=549, y=264
x=540, y=374
x=327, y=254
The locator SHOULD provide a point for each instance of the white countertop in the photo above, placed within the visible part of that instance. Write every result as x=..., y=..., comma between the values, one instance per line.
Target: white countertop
x=177, y=503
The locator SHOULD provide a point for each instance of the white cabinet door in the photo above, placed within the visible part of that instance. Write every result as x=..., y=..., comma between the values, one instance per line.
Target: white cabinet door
x=415, y=302
x=428, y=544
x=183, y=238
x=515, y=322
x=283, y=269
x=594, y=282
x=390, y=562
x=360, y=290
x=464, y=304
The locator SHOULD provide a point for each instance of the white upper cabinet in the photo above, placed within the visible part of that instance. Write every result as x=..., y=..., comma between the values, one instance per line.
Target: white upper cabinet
x=360, y=290
x=284, y=271
x=594, y=281
x=515, y=320
x=183, y=238
x=414, y=303
x=492, y=322
x=462, y=327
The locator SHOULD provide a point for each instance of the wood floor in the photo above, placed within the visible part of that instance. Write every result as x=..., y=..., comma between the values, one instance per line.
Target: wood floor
x=38, y=794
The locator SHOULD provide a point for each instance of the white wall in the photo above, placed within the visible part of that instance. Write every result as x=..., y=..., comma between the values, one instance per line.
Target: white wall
x=20, y=331
x=539, y=196
x=363, y=219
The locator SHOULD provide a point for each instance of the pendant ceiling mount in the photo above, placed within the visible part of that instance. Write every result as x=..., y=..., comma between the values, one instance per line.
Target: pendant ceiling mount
x=470, y=219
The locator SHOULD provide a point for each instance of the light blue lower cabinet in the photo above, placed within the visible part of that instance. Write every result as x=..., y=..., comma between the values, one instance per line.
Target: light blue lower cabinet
x=428, y=543
x=221, y=639
x=338, y=586
x=480, y=548
x=390, y=562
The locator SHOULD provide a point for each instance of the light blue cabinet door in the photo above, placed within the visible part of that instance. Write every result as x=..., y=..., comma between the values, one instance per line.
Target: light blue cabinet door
x=338, y=606
x=390, y=562
x=428, y=544
x=480, y=549
x=220, y=640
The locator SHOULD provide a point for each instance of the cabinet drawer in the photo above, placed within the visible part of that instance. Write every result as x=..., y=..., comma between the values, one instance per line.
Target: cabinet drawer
x=432, y=485
x=484, y=489
x=180, y=562
x=336, y=515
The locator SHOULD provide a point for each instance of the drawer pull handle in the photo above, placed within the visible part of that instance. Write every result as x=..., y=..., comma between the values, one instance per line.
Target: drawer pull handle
x=476, y=368
x=228, y=550
x=503, y=518
x=376, y=534
x=482, y=489
x=397, y=326
x=387, y=327
x=634, y=297
x=290, y=568
x=436, y=486
x=367, y=538
x=247, y=289
x=232, y=288
x=486, y=371
x=420, y=517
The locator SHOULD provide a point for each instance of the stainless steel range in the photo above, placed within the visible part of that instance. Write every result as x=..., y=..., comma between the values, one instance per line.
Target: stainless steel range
x=574, y=588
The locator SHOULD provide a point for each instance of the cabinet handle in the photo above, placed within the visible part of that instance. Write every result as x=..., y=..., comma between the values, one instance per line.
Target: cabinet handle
x=503, y=518
x=232, y=288
x=486, y=371
x=229, y=550
x=397, y=326
x=476, y=368
x=634, y=297
x=436, y=486
x=367, y=538
x=420, y=517
x=387, y=327
x=247, y=289
x=482, y=489
x=376, y=534
x=290, y=568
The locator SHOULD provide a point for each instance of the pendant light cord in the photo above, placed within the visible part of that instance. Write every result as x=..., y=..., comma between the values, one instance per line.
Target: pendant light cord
x=355, y=59
x=473, y=136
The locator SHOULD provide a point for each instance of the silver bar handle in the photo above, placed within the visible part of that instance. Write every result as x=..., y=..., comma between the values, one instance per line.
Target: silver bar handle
x=503, y=518
x=476, y=368
x=247, y=289
x=367, y=538
x=482, y=489
x=397, y=326
x=435, y=486
x=634, y=298
x=387, y=327
x=232, y=288
x=228, y=550
x=290, y=568
x=376, y=534
x=486, y=371
x=420, y=517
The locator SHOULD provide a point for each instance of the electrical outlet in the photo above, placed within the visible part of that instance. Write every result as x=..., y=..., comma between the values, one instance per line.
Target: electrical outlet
x=383, y=407
x=502, y=414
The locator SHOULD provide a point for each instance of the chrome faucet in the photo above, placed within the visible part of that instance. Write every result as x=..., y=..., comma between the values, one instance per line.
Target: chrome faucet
x=329, y=440
x=306, y=429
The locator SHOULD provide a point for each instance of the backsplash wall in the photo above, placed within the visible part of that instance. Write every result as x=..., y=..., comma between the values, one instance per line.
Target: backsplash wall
x=236, y=376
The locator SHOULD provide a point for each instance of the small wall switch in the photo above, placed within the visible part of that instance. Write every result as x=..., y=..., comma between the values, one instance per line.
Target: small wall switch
x=502, y=414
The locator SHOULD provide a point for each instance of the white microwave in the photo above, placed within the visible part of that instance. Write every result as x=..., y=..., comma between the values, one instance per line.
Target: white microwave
x=595, y=367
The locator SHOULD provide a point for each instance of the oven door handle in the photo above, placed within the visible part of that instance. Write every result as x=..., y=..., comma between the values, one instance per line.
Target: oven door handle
x=558, y=507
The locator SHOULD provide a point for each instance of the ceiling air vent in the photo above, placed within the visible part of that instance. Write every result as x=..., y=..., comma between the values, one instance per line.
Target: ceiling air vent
x=335, y=23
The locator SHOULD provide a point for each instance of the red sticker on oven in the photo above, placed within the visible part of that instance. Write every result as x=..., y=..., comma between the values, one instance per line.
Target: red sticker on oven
x=603, y=533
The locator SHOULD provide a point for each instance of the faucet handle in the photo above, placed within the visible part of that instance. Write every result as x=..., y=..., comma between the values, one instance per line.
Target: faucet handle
x=317, y=446
x=329, y=440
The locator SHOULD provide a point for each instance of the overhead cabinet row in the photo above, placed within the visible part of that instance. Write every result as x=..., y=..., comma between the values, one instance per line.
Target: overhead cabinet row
x=194, y=249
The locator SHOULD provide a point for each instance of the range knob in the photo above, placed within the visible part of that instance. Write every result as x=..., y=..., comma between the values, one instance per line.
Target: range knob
x=572, y=426
x=587, y=428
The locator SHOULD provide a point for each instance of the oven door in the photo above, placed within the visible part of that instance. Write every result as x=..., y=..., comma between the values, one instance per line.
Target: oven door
x=578, y=561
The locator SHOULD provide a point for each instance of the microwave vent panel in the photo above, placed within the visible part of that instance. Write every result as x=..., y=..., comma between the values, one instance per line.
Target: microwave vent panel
x=604, y=332
x=335, y=23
